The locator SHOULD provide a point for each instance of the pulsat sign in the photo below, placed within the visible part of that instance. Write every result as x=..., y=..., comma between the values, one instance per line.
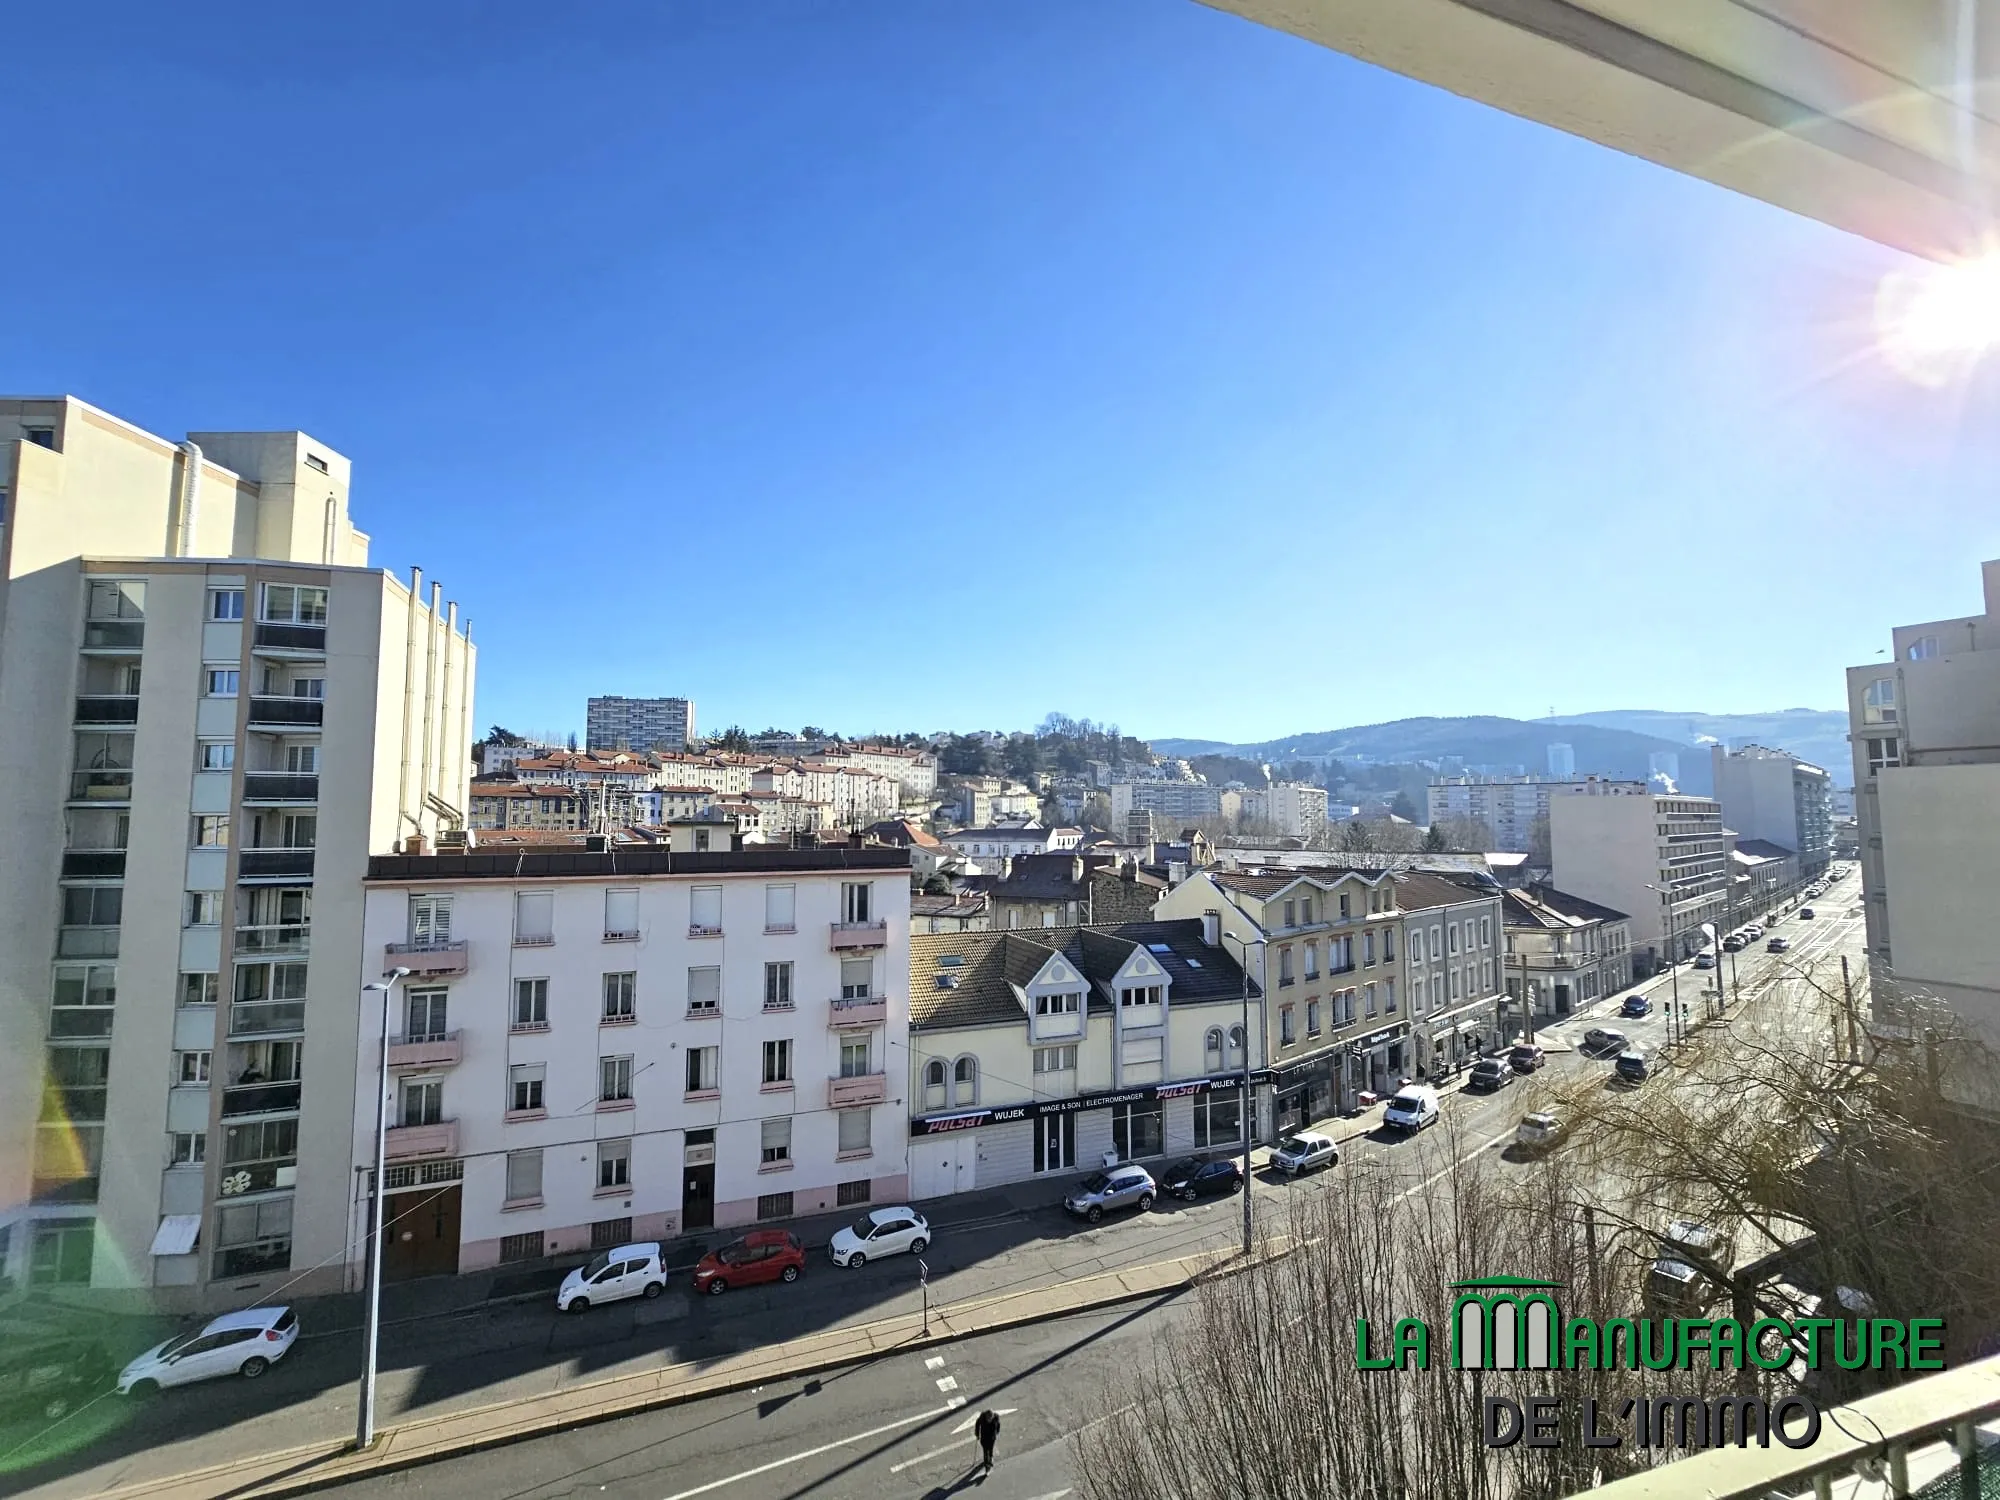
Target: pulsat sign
x=1515, y=1323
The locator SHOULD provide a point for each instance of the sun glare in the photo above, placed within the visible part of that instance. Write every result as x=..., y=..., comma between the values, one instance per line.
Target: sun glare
x=1936, y=322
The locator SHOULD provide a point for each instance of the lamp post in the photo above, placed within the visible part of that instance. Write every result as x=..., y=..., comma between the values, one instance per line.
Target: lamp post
x=1246, y=1110
x=364, y=1432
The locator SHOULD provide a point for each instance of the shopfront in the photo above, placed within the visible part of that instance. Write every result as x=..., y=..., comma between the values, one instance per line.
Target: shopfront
x=1306, y=1091
x=1379, y=1061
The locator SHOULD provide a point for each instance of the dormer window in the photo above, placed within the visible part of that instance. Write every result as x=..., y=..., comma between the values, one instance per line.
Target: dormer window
x=1058, y=1005
x=1136, y=995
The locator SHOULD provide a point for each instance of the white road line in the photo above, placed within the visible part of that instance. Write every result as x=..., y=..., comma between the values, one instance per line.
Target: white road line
x=779, y=1463
x=935, y=1362
x=910, y=1463
x=947, y=1383
x=1505, y=1135
x=966, y=1426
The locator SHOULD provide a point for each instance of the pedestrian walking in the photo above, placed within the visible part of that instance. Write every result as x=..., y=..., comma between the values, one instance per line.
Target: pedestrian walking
x=987, y=1430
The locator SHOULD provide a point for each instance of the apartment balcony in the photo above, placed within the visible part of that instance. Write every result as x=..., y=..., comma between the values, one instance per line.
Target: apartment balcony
x=107, y=708
x=261, y=1018
x=865, y=1088
x=87, y=942
x=849, y=936
x=239, y=1178
x=260, y=1098
x=408, y=1141
x=109, y=785
x=277, y=788
x=443, y=1051
x=274, y=864
x=287, y=937
x=93, y=864
x=425, y=960
x=287, y=715
x=867, y=1010
x=114, y=637
x=270, y=639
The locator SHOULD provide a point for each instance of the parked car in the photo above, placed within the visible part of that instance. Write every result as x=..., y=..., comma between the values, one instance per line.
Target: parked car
x=1539, y=1131
x=1632, y=1065
x=48, y=1366
x=1778, y=945
x=1113, y=1188
x=1734, y=943
x=1636, y=1006
x=243, y=1343
x=1704, y=960
x=1526, y=1057
x=761, y=1255
x=1200, y=1176
x=1805, y=913
x=880, y=1232
x=1490, y=1073
x=1305, y=1151
x=1754, y=931
x=620, y=1272
x=1412, y=1109
x=1602, y=1039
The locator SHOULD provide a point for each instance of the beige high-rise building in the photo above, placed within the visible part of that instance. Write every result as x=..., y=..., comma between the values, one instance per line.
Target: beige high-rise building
x=212, y=712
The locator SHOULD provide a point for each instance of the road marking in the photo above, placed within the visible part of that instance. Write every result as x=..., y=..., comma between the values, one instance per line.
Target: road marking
x=779, y=1463
x=1000, y=1411
x=947, y=1383
x=935, y=1362
x=910, y=1463
x=954, y=1403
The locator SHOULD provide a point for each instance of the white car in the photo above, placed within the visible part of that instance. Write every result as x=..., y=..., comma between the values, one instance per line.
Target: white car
x=620, y=1272
x=243, y=1343
x=885, y=1231
x=1305, y=1151
x=1538, y=1131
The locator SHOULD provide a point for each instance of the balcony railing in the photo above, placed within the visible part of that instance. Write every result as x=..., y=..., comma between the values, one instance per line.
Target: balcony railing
x=425, y=960
x=108, y=708
x=275, y=864
x=287, y=713
x=439, y=1139
x=87, y=942
x=266, y=1017
x=93, y=864
x=864, y=1088
x=300, y=639
x=442, y=1051
x=860, y=934
x=868, y=1010
x=260, y=1098
x=111, y=784
x=239, y=1178
x=279, y=786
x=286, y=937
x=114, y=635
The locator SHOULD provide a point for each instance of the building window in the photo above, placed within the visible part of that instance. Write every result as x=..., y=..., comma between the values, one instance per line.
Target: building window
x=704, y=991
x=934, y=1095
x=1058, y=1005
x=218, y=755
x=1416, y=953
x=778, y=986
x=1291, y=914
x=1451, y=935
x=531, y=1004
x=781, y=906
x=1139, y=995
x=191, y=1067
x=703, y=1069
x=1883, y=753
x=621, y=915
x=1389, y=996
x=1312, y=1018
x=292, y=604
x=705, y=910
x=1218, y=1119
x=614, y=1080
x=856, y=1128
x=1312, y=961
x=857, y=978
x=534, y=917
x=524, y=1085
x=1878, y=701
x=856, y=902
x=1063, y=1059
x=1138, y=1129
x=1284, y=966
x=430, y=920
x=222, y=682
x=1287, y=1028
x=1367, y=948
x=614, y=1165
x=251, y=1238
x=1346, y=906
x=1486, y=932
x=524, y=1176
x=1923, y=648
x=774, y=1206
x=204, y=908
x=518, y=1247
x=199, y=989
x=778, y=1063
x=1236, y=1047
x=776, y=1141
x=225, y=604
x=1211, y=1050
x=422, y=1102
x=965, y=1080
x=187, y=1148
x=211, y=833
x=848, y=1194
x=620, y=996
x=1368, y=999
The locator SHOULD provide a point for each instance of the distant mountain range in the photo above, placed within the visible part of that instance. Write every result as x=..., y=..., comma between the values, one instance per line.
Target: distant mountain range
x=1617, y=743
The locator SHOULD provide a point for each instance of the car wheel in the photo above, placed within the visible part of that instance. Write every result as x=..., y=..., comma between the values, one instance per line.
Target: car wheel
x=653, y=1289
x=856, y=1261
x=1187, y=1195
x=919, y=1245
x=578, y=1305
x=717, y=1287
x=1145, y=1202
x=790, y=1273
x=254, y=1366
x=1094, y=1214
x=144, y=1388
x=1235, y=1186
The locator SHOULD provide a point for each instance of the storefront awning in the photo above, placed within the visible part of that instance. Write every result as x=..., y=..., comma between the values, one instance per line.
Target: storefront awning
x=177, y=1234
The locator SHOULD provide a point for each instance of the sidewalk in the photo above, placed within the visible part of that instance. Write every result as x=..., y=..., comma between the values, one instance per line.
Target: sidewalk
x=425, y=1440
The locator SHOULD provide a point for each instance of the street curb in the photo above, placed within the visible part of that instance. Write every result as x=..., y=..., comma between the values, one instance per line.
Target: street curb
x=292, y=1478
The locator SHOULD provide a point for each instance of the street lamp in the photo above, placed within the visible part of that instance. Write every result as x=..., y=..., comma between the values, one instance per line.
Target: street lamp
x=1246, y=1107
x=364, y=1432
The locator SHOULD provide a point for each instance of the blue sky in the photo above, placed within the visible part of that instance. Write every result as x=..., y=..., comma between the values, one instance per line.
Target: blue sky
x=891, y=366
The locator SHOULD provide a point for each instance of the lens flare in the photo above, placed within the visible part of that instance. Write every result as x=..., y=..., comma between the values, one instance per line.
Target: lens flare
x=1936, y=323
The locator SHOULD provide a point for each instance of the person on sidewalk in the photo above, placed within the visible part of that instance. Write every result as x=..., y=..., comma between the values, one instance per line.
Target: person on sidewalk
x=987, y=1430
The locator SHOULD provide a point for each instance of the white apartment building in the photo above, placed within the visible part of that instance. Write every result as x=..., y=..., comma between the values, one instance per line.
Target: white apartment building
x=1170, y=799
x=596, y=1047
x=1563, y=952
x=1288, y=809
x=1039, y=1054
x=915, y=771
x=614, y=723
x=1452, y=947
x=856, y=797
x=1664, y=860
x=1926, y=738
x=1507, y=805
x=1776, y=797
x=203, y=749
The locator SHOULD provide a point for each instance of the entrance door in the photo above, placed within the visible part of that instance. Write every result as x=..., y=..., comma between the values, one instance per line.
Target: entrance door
x=1055, y=1143
x=423, y=1233
x=947, y=1164
x=698, y=1197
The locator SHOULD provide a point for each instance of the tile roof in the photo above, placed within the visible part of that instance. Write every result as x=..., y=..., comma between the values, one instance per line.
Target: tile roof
x=1420, y=890
x=1762, y=849
x=1545, y=906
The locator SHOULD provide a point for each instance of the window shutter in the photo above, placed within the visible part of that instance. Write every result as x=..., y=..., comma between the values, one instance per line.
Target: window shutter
x=705, y=907
x=534, y=916
x=621, y=911
x=704, y=988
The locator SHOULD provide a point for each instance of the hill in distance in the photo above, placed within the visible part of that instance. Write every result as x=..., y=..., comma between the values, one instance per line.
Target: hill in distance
x=1815, y=734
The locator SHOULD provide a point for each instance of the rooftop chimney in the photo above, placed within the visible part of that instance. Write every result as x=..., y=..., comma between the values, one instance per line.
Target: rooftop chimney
x=1211, y=928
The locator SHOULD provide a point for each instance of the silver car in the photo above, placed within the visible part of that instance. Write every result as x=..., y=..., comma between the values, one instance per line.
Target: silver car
x=1114, y=1188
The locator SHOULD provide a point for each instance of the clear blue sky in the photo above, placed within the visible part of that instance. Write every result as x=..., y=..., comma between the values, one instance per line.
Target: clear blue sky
x=905, y=365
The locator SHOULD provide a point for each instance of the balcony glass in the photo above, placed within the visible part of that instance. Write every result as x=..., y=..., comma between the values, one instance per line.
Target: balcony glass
x=266, y=1017
x=108, y=708
x=289, y=937
x=291, y=713
x=114, y=635
x=87, y=942
x=101, y=786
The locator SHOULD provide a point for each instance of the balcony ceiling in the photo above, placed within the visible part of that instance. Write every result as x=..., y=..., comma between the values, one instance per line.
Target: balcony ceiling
x=1881, y=117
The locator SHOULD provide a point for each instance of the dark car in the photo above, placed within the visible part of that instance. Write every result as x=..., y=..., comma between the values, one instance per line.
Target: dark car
x=1526, y=1057
x=1632, y=1066
x=46, y=1371
x=1490, y=1073
x=762, y=1255
x=1636, y=1005
x=1199, y=1177
x=1734, y=943
x=1601, y=1039
x=1777, y=945
x=1805, y=913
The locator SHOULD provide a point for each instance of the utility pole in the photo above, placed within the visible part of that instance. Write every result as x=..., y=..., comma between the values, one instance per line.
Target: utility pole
x=364, y=1432
x=1847, y=996
x=1248, y=1175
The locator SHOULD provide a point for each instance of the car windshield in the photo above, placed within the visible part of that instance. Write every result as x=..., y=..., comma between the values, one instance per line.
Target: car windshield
x=1295, y=1145
x=597, y=1267
x=1405, y=1101
x=1184, y=1168
x=176, y=1344
x=862, y=1228
x=1097, y=1182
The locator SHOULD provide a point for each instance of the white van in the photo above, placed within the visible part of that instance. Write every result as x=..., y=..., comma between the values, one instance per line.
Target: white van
x=1412, y=1109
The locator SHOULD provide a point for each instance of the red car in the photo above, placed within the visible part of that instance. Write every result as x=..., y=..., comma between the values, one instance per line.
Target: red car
x=762, y=1255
